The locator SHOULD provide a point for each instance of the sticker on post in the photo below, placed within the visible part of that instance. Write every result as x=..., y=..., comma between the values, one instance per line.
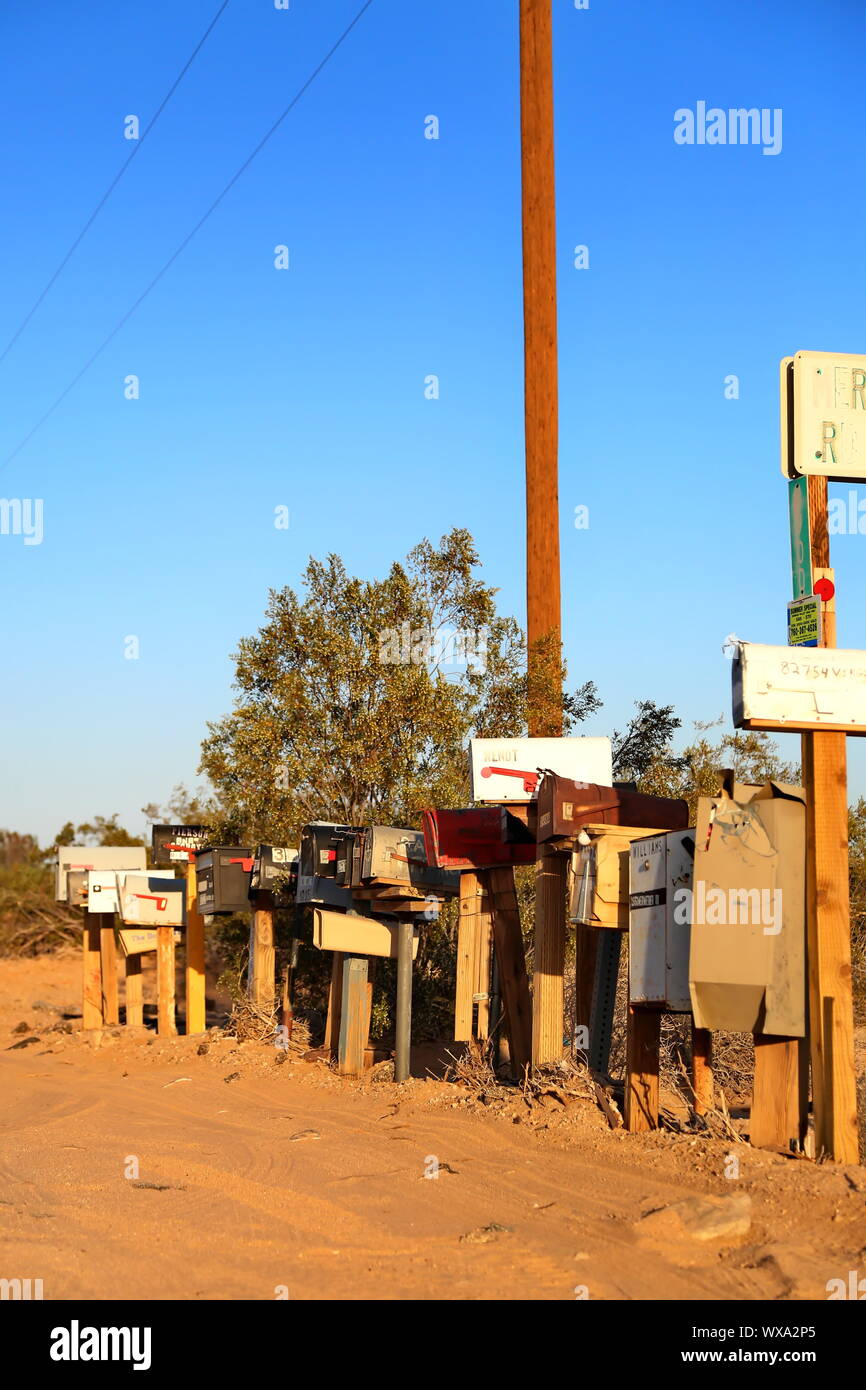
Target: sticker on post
x=804, y=621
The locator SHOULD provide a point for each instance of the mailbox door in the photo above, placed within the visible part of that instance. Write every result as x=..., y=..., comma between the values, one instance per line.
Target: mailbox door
x=232, y=872
x=647, y=937
x=680, y=873
x=153, y=900
x=204, y=882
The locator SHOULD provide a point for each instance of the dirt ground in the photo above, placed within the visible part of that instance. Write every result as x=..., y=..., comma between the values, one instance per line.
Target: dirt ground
x=143, y=1168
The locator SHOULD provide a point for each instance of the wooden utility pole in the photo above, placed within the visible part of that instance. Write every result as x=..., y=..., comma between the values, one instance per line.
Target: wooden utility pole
x=828, y=926
x=543, y=634
x=540, y=366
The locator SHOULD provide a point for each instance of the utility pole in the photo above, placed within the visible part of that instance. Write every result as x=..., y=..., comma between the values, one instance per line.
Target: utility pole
x=540, y=363
x=543, y=629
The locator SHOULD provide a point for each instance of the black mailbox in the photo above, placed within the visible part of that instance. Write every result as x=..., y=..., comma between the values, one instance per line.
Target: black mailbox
x=275, y=871
x=223, y=879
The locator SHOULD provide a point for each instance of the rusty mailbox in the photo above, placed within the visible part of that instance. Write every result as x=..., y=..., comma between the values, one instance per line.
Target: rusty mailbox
x=479, y=837
x=564, y=806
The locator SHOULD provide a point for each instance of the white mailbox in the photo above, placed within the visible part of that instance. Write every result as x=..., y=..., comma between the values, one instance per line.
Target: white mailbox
x=103, y=887
x=799, y=688
x=509, y=769
x=660, y=916
x=81, y=858
x=151, y=900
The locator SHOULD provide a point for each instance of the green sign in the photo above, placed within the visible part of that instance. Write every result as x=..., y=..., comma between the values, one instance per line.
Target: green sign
x=804, y=622
x=801, y=541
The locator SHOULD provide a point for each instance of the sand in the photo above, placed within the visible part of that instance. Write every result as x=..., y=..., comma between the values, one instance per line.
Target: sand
x=136, y=1168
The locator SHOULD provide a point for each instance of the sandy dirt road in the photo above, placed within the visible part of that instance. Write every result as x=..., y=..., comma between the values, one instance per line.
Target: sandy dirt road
x=140, y=1169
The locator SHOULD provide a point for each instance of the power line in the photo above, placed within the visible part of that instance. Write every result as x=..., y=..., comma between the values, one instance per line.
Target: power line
x=115, y=181
x=187, y=239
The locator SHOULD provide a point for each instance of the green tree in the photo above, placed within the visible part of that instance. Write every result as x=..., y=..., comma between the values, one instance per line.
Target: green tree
x=355, y=702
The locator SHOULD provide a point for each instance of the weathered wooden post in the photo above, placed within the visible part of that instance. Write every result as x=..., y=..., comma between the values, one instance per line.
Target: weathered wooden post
x=92, y=1015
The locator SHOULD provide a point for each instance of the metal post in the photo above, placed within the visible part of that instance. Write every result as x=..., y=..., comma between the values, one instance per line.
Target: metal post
x=405, y=940
x=604, y=999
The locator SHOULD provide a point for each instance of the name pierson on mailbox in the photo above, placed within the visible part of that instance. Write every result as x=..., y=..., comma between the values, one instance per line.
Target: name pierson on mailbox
x=152, y=900
x=780, y=688
x=178, y=844
x=503, y=769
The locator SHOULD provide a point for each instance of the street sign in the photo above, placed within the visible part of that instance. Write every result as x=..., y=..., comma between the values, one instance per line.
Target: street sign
x=829, y=416
x=804, y=621
x=775, y=688
x=801, y=545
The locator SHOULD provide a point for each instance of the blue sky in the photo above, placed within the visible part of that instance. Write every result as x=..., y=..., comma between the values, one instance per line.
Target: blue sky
x=305, y=387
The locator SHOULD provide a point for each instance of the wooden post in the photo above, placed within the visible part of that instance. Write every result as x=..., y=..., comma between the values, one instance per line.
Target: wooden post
x=353, y=1016
x=828, y=936
x=92, y=1016
x=702, y=1069
x=134, y=992
x=108, y=963
x=642, y=1069
x=549, y=957
x=508, y=944
x=775, y=1119
x=468, y=926
x=483, y=954
x=262, y=981
x=165, y=983
x=541, y=424
x=335, y=1004
x=196, y=1004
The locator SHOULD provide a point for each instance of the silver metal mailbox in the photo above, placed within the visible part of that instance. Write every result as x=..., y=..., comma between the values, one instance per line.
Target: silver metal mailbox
x=398, y=856
x=660, y=880
x=81, y=858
